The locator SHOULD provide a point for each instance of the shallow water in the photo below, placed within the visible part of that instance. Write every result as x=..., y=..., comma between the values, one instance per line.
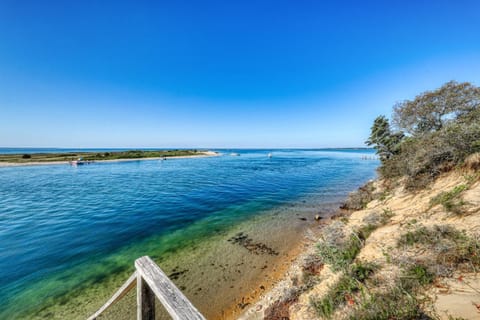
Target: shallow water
x=69, y=235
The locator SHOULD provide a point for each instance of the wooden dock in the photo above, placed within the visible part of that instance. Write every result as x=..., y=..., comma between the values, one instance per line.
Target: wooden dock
x=152, y=282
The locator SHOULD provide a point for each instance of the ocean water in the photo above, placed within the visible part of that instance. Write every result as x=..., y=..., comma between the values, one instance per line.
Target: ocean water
x=69, y=235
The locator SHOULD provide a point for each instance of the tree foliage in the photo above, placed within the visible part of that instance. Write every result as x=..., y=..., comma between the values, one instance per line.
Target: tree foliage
x=432, y=110
x=384, y=141
x=443, y=129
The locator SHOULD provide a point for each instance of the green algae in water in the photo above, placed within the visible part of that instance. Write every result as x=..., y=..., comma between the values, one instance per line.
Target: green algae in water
x=139, y=200
x=96, y=280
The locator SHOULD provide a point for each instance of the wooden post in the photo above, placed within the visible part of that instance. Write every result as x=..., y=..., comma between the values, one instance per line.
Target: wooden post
x=176, y=304
x=145, y=300
x=152, y=283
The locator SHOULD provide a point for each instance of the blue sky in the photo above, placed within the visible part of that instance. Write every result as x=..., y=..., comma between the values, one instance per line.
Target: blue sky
x=222, y=73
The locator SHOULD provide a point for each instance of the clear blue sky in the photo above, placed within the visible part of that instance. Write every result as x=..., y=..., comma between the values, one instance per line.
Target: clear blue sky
x=222, y=73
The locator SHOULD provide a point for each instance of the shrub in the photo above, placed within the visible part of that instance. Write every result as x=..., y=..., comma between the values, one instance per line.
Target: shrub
x=450, y=200
x=429, y=236
x=339, y=256
x=472, y=162
x=339, y=250
x=336, y=296
x=359, y=199
x=443, y=129
x=342, y=292
x=392, y=304
x=362, y=271
x=450, y=249
x=379, y=219
x=415, y=277
x=398, y=302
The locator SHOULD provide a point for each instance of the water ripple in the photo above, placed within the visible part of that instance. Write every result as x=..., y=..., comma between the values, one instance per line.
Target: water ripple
x=53, y=217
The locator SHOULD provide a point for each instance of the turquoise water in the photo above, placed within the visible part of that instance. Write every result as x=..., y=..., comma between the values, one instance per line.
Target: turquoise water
x=65, y=228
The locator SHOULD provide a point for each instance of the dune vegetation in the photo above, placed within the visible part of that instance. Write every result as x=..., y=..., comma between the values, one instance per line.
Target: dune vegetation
x=407, y=245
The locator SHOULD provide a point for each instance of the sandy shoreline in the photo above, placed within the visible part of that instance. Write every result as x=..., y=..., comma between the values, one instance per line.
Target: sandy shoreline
x=49, y=163
x=283, y=281
x=452, y=295
x=222, y=275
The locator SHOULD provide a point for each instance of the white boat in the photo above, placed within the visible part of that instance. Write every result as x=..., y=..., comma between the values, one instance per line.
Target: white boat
x=234, y=154
x=269, y=155
x=79, y=162
x=76, y=162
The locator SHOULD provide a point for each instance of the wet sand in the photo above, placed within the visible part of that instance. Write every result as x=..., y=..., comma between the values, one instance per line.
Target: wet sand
x=226, y=277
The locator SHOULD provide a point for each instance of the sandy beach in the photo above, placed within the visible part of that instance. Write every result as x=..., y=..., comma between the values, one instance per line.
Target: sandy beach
x=455, y=295
x=49, y=163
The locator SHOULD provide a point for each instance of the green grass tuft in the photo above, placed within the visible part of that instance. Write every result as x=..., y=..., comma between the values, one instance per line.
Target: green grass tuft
x=415, y=277
x=450, y=200
x=452, y=248
x=340, y=256
x=342, y=292
x=393, y=304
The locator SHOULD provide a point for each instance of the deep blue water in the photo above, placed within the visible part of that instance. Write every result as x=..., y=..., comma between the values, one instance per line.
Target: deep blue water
x=55, y=218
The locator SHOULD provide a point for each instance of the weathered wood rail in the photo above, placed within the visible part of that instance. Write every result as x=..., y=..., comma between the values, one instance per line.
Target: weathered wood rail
x=151, y=282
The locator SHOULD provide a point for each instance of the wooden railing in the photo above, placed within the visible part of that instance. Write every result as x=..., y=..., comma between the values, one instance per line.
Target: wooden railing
x=151, y=282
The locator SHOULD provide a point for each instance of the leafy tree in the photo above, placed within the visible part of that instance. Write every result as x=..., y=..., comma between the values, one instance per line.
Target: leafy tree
x=432, y=110
x=384, y=141
x=443, y=129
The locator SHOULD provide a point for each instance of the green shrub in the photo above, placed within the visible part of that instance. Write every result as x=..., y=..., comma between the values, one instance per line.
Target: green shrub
x=430, y=236
x=339, y=256
x=343, y=291
x=450, y=200
x=336, y=296
x=362, y=271
x=415, y=277
x=393, y=304
x=359, y=199
x=398, y=302
x=451, y=249
x=443, y=130
x=365, y=231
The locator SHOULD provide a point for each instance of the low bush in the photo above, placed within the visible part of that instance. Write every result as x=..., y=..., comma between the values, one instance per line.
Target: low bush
x=395, y=303
x=415, y=277
x=339, y=256
x=429, y=236
x=398, y=302
x=359, y=199
x=345, y=288
x=339, y=250
x=434, y=133
x=472, y=162
x=362, y=271
x=450, y=200
x=337, y=295
x=449, y=248
x=378, y=219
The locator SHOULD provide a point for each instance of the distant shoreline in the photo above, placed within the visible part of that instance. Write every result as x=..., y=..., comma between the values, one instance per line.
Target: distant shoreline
x=202, y=154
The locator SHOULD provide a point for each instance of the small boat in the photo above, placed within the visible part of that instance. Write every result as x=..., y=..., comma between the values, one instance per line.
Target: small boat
x=269, y=155
x=234, y=154
x=76, y=162
x=79, y=162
